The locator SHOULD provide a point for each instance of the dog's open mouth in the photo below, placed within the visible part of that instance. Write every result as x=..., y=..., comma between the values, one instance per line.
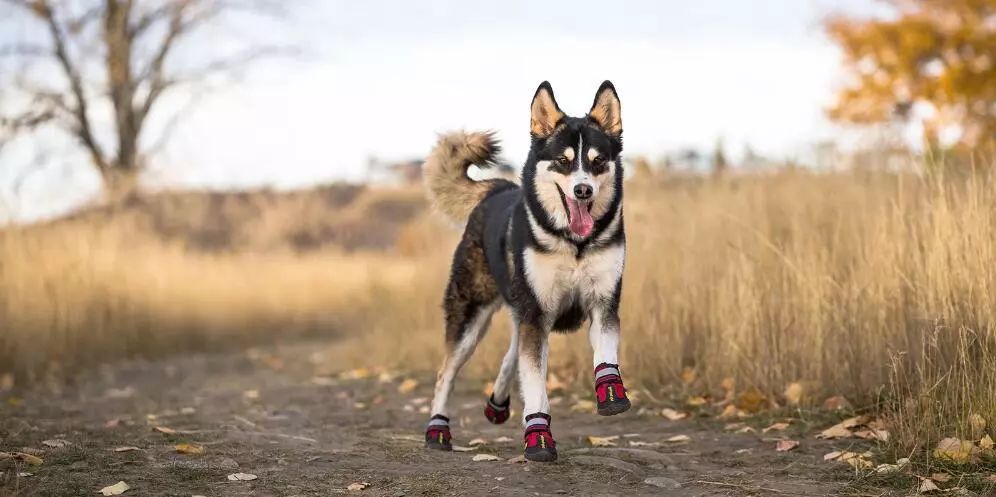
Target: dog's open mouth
x=579, y=216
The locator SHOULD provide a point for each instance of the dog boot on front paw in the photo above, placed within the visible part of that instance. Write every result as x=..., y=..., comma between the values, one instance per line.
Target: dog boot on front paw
x=497, y=413
x=437, y=434
x=610, y=394
x=540, y=446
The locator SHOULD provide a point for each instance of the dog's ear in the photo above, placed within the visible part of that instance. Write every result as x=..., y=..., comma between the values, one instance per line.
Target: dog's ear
x=606, y=110
x=545, y=113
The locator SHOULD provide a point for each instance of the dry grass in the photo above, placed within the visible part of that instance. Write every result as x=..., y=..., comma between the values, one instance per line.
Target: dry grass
x=878, y=287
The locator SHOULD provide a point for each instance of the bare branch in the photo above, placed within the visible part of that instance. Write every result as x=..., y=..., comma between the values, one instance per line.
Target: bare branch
x=84, y=129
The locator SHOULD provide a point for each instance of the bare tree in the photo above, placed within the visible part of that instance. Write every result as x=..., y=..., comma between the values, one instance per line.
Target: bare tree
x=98, y=68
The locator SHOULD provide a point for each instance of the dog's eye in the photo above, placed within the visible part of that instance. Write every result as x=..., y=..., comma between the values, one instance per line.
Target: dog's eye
x=563, y=160
x=598, y=161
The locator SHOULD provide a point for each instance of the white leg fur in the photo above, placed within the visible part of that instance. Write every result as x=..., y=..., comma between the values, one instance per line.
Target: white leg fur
x=509, y=365
x=532, y=377
x=458, y=357
x=604, y=337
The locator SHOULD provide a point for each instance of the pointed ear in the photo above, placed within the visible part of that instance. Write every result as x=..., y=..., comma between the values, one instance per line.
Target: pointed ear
x=606, y=110
x=545, y=112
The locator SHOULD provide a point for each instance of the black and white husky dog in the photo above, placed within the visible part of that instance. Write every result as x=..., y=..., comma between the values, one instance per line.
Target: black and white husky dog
x=552, y=250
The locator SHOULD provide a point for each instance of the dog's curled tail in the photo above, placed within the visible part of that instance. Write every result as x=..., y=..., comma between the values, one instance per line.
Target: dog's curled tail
x=451, y=191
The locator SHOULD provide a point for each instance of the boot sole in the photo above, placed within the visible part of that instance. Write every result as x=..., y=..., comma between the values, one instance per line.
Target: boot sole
x=613, y=408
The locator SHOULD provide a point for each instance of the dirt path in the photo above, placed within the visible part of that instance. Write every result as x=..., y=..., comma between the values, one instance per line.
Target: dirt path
x=269, y=416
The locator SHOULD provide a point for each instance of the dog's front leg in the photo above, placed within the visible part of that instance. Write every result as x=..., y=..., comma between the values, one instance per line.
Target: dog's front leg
x=610, y=394
x=533, y=352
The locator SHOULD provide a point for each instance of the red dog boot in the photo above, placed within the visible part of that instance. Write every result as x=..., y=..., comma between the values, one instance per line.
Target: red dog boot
x=495, y=412
x=540, y=446
x=610, y=394
x=437, y=434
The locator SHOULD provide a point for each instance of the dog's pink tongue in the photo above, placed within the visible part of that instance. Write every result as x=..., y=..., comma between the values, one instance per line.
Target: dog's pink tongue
x=581, y=221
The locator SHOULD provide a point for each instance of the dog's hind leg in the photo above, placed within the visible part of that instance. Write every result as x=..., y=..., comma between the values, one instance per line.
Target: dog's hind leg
x=497, y=408
x=474, y=326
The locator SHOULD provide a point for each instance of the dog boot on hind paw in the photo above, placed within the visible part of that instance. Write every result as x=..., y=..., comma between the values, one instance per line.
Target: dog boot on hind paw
x=610, y=394
x=437, y=434
x=495, y=412
x=539, y=446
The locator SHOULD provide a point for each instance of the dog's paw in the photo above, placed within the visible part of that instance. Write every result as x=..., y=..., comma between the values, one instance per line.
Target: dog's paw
x=539, y=446
x=497, y=413
x=437, y=434
x=610, y=394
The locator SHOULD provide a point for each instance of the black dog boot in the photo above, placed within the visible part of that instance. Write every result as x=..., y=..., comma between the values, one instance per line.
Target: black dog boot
x=437, y=434
x=540, y=446
x=610, y=394
x=495, y=412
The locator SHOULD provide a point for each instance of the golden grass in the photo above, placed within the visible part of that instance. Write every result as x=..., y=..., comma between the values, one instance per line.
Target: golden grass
x=881, y=288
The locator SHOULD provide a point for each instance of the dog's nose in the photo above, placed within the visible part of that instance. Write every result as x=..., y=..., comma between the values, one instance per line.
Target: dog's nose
x=582, y=191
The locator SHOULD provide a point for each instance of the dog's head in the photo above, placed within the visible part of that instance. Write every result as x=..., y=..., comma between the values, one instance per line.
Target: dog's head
x=574, y=170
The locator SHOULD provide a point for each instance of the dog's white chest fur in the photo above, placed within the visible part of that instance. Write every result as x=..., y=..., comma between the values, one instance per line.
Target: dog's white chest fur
x=559, y=276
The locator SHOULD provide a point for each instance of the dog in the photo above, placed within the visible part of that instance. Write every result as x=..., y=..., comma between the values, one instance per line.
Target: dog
x=552, y=250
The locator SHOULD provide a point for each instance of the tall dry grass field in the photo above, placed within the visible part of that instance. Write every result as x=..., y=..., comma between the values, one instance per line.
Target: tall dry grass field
x=877, y=287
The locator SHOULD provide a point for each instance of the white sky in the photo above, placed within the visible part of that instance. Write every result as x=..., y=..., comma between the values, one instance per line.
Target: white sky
x=381, y=78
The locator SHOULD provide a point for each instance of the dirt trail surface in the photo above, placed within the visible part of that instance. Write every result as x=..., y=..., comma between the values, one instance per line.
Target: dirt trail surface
x=267, y=414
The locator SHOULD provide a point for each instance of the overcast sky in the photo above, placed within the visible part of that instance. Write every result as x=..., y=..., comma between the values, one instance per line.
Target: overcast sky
x=382, y=78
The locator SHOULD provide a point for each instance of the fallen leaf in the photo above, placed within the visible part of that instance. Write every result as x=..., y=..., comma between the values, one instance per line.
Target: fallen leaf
x=355, y=374
x=673, y=415
x=835, y=431
x=25, y=475
x=957, y=451
x=940, y=477
x=728, y=385
x=986, y=443
x=638, y=443
x=251, y=394
x=880, y=435
x=696, y=401
x=242, y=477
x=583, y=406
x=679, y=439
x=744, y=451
x=190, y=449
x=6, y=382
x=502, y=440
x=735, y=426
x=458, y=448
x=859, y=463
x=477, y=441
x=832, y=456
x=794, y=393
x=56, y=443
x=356, y=487
x=752, y=400
x=485, y=458
x=26, y=458
x=116, y=489
x=992, y=478
x=126, y=449
x=887, y=469
x=836, y=403
x=776, y=427
x=729, y=412
x=603, y=441
x=165, y=430
x=407, y=386
x=786, y=445
x=927, y=486
x=688, y=375
x=517, y=459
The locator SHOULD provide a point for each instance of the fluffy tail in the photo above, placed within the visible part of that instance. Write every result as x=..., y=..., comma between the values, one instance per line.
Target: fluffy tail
x=451, y=191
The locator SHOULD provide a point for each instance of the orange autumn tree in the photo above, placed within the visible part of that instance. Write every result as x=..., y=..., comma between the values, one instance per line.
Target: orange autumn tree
x=938, y=55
